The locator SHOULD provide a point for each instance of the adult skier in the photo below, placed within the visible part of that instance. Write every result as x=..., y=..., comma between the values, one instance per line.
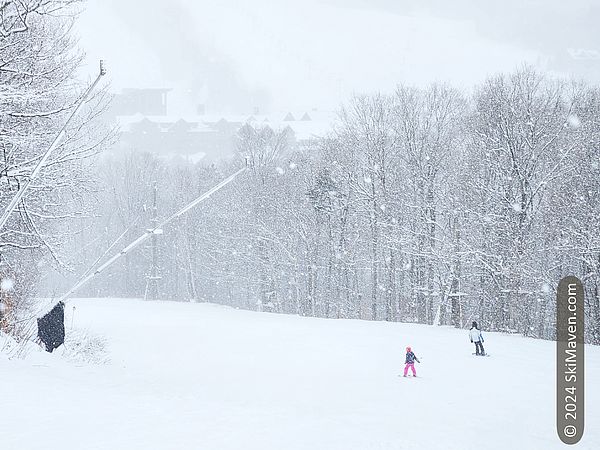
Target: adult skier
x=410, y=362
x=477, y=338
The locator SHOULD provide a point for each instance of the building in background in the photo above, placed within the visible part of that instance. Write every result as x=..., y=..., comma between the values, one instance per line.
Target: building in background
x=145, y=125
x=130, y=101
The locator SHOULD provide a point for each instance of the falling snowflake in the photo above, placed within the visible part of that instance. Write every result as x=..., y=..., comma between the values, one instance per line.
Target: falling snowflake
x=280, y=171
x=293, y=165
x=7, y=284
x=574, y=121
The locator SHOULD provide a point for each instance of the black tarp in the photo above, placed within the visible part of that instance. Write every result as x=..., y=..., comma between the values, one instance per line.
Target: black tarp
x=51, y=327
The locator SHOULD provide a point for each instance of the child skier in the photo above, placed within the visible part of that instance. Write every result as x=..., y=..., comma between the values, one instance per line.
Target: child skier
x=410, y=362
x=477, y=338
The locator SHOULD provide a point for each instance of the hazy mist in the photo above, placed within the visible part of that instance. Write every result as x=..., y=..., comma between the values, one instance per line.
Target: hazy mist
x=234, y=55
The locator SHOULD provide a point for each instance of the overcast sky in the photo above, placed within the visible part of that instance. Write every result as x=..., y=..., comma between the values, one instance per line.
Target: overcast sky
x=234, y=55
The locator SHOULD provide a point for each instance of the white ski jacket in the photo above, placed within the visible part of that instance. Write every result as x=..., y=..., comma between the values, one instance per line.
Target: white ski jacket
x=475, y=335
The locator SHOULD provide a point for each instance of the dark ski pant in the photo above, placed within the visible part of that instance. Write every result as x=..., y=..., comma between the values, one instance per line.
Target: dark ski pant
x=479, y=348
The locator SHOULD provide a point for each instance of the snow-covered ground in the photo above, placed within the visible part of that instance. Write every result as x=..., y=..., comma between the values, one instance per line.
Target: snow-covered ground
x=198, y=376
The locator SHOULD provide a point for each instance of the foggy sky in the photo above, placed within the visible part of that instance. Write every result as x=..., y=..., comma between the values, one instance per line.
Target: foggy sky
x=235, y=55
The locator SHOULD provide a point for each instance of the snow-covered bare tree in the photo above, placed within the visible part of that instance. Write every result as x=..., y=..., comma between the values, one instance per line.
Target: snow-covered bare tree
x=427, y=125
x=38, y=89
x=520, y=145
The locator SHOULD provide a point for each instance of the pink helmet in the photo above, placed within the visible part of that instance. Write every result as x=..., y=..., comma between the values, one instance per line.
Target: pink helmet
x=408, y=349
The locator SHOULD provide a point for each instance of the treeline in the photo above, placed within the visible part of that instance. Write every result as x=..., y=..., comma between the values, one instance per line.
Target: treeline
x=425, y=206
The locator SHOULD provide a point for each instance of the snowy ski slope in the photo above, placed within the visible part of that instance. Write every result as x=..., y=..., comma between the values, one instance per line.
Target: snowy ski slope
x=199, y=376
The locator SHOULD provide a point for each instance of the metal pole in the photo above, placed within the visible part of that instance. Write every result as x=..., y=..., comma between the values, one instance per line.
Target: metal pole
x=153, y=280
x=149, y=233
x=25, y=186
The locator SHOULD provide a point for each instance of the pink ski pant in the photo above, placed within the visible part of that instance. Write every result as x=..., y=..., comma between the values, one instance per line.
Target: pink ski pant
x=412, y=366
